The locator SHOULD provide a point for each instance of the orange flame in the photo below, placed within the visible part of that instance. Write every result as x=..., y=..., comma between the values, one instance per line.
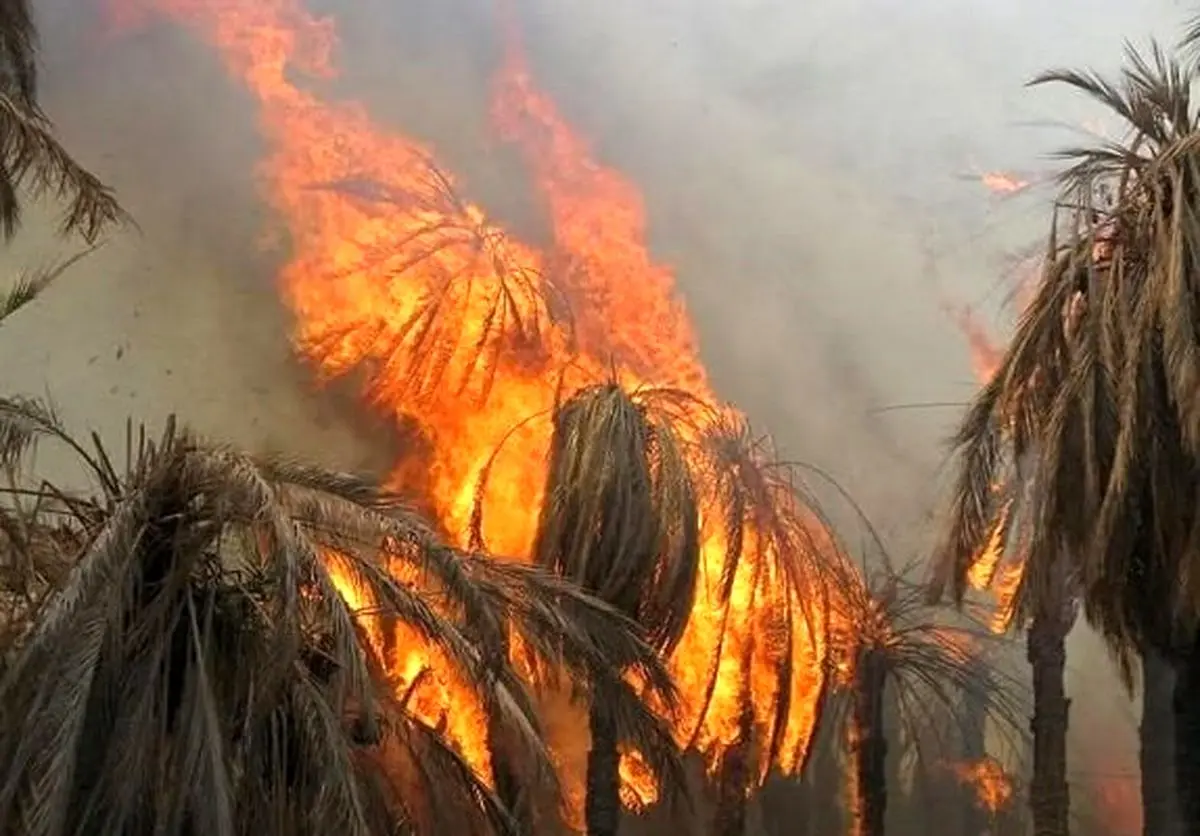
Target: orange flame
x=991, y=571
x=993, y=788
x=383, y=250
x=999, y=182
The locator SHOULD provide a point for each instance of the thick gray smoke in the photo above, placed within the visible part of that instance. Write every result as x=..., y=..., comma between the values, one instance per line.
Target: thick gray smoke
x=811, y=169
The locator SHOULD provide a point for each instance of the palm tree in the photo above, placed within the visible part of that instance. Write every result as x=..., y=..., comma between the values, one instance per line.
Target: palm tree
x=888, y=640
x=198, y=667
x=777, y=554
x=1099, y=406
x=629, y=473
x=1046, y=651
x=620, y=519
x=31, y=159
x=1160, y=808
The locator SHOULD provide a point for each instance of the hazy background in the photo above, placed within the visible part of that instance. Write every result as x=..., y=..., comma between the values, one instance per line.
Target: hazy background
x=810, y=168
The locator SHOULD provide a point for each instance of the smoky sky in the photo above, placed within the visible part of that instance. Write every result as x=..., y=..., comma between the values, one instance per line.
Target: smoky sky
x=811, y=170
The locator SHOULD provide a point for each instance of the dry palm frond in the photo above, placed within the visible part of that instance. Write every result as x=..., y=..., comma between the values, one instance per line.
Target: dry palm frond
x=620, y=514
x=34, y=559
x=1191, y=34
x=30, y=157
x=620, y=520
x=31, y=285
x=198, y=670
x=1089, y=432
x=480, y=301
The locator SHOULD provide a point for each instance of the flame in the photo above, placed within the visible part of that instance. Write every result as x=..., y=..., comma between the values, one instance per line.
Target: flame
x=384, y=249
x=994, y=570
x=993, y=788
x=999, y=182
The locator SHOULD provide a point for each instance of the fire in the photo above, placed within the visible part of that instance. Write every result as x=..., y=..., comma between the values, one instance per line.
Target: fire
x=995, y=570
x=993, y=788
x=471, y=335
x=1001, y=183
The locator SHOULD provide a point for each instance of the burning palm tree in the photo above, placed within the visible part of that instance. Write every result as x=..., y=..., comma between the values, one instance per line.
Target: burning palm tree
x=777, y=557
x=639, y=485
x=890, y=639
x=1081, y=451
x=199, y=667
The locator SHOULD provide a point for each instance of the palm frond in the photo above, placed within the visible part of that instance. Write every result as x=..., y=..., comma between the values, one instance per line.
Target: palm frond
x=32, y=158
x=777, y=542
x=931, y=663
x=1079, y=452
x=620, y=516
x=30, y=285
x=476, y=296
x=203, y=630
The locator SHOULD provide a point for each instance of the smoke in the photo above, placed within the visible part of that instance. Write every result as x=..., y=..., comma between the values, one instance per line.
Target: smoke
x=811, y=170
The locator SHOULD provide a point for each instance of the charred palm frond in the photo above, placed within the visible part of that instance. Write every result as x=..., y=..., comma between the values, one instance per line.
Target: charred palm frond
x=890, y=643
x=1090, y=429
x=474, y=297
x=198, y=667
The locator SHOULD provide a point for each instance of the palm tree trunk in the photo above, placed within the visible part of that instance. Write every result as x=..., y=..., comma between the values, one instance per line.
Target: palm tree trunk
x=602, y=807
x=1049, y=794
x=975, y=819
x=822, y=778
x=734, y=778
x=869, y=745
x=1187, y=739
x=512, y=791
x=1160, y=808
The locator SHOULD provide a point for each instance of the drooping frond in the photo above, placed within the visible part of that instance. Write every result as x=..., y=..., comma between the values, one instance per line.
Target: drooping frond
x=31, y=158
x=474, y=295
x=777, y=547
x=620, y=516
x=201, y=669
x=1080, y=451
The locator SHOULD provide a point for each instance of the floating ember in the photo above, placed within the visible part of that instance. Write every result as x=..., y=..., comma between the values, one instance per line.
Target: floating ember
x=1000, y=183
x=993, y=789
